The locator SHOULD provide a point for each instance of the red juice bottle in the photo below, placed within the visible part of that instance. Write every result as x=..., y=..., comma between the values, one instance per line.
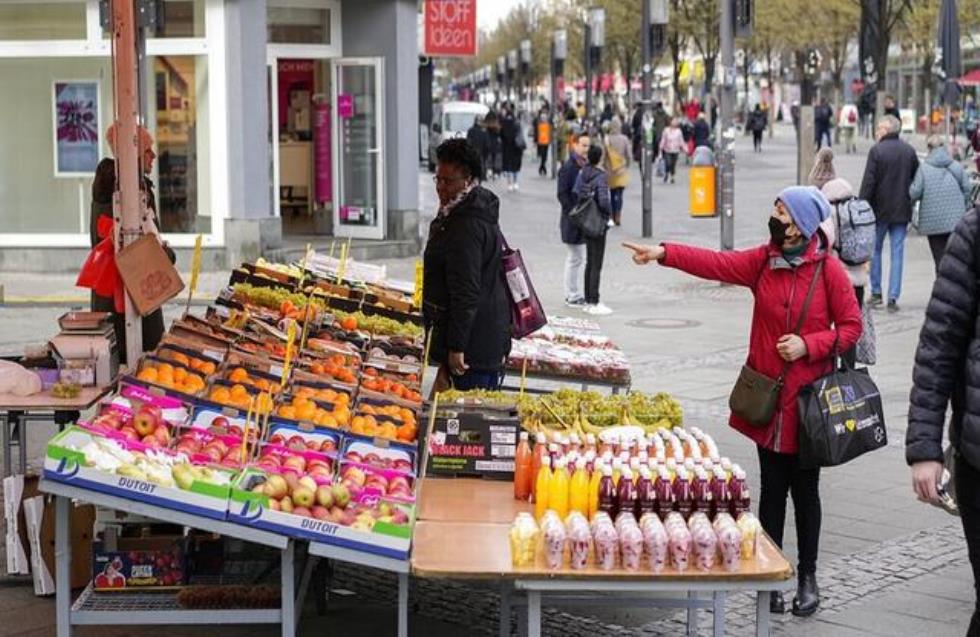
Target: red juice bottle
x=664, y=491
x=741, y=500
x=607, y=493
x=646, y=496
x=682, y=493
x=540, y=451
x=626, y=493
x=721, y=492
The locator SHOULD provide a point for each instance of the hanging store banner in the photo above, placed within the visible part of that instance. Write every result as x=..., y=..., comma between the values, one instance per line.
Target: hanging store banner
x=76, y=128
x=868, y=40
x=450, y=28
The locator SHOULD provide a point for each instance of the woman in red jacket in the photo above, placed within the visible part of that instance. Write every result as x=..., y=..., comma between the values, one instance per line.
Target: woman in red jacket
x=779, y=275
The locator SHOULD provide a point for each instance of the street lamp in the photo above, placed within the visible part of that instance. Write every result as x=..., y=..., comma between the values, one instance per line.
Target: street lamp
x=655, y=17
x=526, y=72
x=501, y=73
x=511, y=70
x=559, y=51
x=595, y=39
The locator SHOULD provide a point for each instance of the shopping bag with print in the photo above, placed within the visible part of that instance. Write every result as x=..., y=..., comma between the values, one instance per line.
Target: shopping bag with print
x=866, y=351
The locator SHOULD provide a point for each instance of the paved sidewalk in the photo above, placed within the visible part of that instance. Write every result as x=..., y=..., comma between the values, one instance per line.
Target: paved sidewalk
x=888, y=564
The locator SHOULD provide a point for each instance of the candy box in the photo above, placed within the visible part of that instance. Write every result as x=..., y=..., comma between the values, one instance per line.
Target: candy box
x=127, y=563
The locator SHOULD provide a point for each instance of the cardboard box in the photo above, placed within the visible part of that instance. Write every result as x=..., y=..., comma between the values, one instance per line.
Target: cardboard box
x=149, y=276
x=39, y=515
x=473, y=444
x=156, y=562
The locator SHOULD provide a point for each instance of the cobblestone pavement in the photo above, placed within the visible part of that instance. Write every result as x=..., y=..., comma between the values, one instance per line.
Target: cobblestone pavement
x=888, y=565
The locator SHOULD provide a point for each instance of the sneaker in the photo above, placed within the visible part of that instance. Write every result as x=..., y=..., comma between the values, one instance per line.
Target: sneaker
x=610, y=223
x=876, y=301
x=517, y=187
x=892, y=307
x=575, y=302
x=599, y=309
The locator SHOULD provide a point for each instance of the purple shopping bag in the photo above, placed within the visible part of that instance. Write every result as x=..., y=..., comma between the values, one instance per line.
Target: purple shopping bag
x=526, y=313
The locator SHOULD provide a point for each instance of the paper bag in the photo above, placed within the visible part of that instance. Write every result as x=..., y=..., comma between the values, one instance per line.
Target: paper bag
x=13, y=491
x=148, y=275
x=40, y=517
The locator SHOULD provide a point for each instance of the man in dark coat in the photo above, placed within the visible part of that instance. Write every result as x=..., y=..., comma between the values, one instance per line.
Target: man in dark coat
x=888, y=174
x=702, y=131
x=571, y=236
x=823, y=118
x=479, y=140
x=945, y=371
x=512, y=147
x=464, y=303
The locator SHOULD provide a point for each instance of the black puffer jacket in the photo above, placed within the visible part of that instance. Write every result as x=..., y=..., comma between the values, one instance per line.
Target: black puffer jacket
x=947, y=361
x=888, y=174
x=464, y=301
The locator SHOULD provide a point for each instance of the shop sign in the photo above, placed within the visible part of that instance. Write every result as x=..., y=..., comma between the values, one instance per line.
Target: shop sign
x=76, y=128
x=345, y=106
x=450, y=27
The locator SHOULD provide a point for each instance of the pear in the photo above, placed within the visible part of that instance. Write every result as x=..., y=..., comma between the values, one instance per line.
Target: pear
x=183, y=476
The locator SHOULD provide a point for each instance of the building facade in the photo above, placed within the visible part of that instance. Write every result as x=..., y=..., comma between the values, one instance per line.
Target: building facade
x=272, y=119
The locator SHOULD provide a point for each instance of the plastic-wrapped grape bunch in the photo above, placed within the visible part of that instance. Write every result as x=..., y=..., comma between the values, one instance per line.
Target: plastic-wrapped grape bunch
x=579, y=540
x=524, y=533
x=678, y=541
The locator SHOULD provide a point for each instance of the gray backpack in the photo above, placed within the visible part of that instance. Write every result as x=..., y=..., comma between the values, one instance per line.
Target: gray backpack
x=855, y=231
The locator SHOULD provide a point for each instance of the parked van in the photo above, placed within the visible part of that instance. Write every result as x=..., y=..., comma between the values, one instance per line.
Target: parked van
x=450, y=120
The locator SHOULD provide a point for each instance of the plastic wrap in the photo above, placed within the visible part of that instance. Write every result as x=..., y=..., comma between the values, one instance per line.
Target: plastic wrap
x=579, y=540
x=654, y=542
x=705, y=545
x=606, y=544
x=678, y=541
x=750, y=528
x=523, y=537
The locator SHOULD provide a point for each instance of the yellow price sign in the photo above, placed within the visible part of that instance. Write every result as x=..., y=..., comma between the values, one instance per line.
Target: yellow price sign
x=195, y=271
x=342, y=268
x=302, y=267
x=290, y=344
x=419, y=281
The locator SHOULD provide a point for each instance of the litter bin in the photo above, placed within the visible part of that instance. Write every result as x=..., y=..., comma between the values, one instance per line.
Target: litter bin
x=701, y=185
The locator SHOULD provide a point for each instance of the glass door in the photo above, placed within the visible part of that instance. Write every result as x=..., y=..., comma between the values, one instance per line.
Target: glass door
x=358, y=172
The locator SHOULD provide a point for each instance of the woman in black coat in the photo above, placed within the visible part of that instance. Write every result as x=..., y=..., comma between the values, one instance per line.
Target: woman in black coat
x=512, y=146
x=464, y=304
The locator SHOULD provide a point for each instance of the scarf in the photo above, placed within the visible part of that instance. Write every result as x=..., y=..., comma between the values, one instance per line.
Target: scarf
x=455, y=201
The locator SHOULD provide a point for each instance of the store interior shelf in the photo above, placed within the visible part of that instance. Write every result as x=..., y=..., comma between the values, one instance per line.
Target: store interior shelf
x=173, y=516
x=159, y=608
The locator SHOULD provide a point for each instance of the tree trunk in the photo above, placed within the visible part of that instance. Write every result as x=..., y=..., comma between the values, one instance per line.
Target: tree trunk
x=772, y=93
x=709, y=74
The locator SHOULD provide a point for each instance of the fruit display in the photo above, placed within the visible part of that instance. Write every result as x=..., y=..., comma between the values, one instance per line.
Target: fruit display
x=207, y=447
x=390, y=388
x=571, y=411
x=321, y=392
x=294, y=465
x=254, y=379
x=544, y=357
x=479, y=398
x=66, y=390
x=287, y=304
x=291, y=271
x=336, y=367
x=385, y=422
x=299, y=440
x=170, y=376
x=145, y=426
x=255, y=346
x=359, y=479
x=241, y=397
x=364, y=453
x=375, y=325
x=322, y=414
x=202, y=366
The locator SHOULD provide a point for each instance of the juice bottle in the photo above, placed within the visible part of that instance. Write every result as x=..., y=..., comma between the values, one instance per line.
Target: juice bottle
x=574, y=443
x=589, y=461
x=682, y=493
x=720, y=492
x=646, y=497
x=726, y=464
x=570, y=461
x=522, y=469
x=635, y=465
x=540, y=451
x=617, y=470
x=566, y=444
x=558, y=490
x=607, y=493
x=590, y=442
x=701, y=492
x=671, y=469
x=642, y=445
x=553, y=453
x=578, y=490
x=665, y=493
x=689, y=465
x=741, y=501
x=604, y=446
x=597, y=470
x=542, y=488
x=626, y=493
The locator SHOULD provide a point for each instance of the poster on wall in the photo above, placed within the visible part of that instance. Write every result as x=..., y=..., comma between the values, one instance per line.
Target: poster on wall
x=76, y=128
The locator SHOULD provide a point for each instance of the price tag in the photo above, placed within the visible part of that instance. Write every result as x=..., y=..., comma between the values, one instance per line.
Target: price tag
x=290, y=342
x=419, y=279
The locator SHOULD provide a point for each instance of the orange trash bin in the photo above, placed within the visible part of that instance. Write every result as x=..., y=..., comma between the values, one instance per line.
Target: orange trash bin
x=701, y=191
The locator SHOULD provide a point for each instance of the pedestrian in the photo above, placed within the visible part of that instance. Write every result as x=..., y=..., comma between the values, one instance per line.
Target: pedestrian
x=888, y=174
x=671, y=145
x=823, y=168
x=478, y=138
x=494, y=166
x=942, y=188
x=945, y=374
x=847, y=121
x=616, y=163
x=840, y=192
x=794, y=112
x=823, y=121
x=702, y=131
x=636, y=133
x=566, y=127
x=101, y=229
x=692, y=109
x=757, y=124
x=890, y=108
x=592, y=182
x=571, y=236
x=975, y=144
x=512, y=148
x=464, y=303
x=661, y=120
x=780, y=274
x=580, y=112
x=542, y=137
x=607, y=113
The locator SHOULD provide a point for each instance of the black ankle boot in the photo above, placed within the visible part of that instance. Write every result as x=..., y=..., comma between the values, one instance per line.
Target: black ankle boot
x=776, y=604
x=807, y=596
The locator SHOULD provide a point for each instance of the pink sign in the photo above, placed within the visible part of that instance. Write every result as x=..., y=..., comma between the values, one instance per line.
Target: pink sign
x=345, y=106
x=321, y=151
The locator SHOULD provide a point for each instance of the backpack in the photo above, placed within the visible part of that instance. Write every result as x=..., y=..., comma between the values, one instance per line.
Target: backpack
x=855, y=231
x=852, y=117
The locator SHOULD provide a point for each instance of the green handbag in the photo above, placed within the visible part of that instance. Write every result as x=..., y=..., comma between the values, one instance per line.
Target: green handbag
x=755, y=396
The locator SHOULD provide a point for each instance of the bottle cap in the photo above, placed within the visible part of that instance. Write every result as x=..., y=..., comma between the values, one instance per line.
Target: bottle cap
x=627, y=474
x=546, y=461
x=590, y=439
x=540, y=438
x=553, y=447
x=607, y=471
x=523, y=436
x=580, y=464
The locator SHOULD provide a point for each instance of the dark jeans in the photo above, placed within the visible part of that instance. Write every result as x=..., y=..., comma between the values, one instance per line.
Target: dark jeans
x=757, y=139
x=595, y=251
x=850, y=356
x=968, y=500
x=616, y=199
x=670, y=165
x=478, y=379
x=937, y=245
x=543, y=156
x=823, y=132
x=781, y=474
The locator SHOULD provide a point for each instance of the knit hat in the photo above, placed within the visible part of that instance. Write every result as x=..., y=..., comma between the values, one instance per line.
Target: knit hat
x=837, y=190
x=823, y=168
x=807, y=206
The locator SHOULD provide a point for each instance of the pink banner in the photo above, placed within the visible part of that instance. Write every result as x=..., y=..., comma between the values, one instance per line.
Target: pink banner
x=345, y=106
x=321, y=151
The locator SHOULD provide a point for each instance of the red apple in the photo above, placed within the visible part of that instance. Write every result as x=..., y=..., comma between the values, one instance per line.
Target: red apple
x=320, y=512
x=303, y=511
x=129, y=433
x=146, y=420
x=213, y=452
x=323, y=473
x=277, y=439
x=162, y=433
x=297, y=463
x=353, y=456
x=328, y=446
x=219, y=421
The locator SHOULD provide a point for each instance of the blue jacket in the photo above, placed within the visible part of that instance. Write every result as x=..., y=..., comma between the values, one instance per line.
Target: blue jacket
x=941, y=187
x=593, y=181
x=567, y=198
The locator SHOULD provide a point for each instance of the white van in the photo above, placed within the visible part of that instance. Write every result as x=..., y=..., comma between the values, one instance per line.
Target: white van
x=450, y=120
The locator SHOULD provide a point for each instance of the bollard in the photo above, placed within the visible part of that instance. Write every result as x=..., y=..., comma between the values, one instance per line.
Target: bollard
x=701, y=184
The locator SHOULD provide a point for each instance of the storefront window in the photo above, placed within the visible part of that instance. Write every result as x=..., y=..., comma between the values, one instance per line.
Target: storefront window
x=55, y=112
x=42, y=21
x=179, y=119
x=182, y=19
x=289, y=25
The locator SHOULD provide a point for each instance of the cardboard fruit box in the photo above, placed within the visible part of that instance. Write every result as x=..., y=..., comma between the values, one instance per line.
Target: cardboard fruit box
x=65, y=462
x=347, y=527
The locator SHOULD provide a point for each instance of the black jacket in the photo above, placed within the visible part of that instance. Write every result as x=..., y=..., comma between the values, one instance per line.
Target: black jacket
x=464, y=301
x=888, y=174
x=822, y=116
x=702, y=133
x=510, y=131
x=946, y=366
x=566, y=197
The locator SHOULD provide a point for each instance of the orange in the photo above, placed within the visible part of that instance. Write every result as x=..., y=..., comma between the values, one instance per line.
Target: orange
x=180, y=374
x=388, y=430
x=306, y=412
x=221, y=395
x=238, y=391
x=207, y=368
x=329, y=421
x=147, y=374
x=180, y=358
x=165, y=367
x=238, y=375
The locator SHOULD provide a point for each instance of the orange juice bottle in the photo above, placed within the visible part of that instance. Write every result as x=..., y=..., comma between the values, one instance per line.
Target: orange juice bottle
x=558, y=490
x=594, y=487
x=578, y=490
x=522, y=469
x=540, y=451
x=542, y=488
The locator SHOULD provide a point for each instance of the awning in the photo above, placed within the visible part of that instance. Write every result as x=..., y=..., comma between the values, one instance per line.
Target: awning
x=970, y=79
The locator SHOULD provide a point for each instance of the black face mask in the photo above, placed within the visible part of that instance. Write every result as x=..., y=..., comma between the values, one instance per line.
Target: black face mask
x=777, y=230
